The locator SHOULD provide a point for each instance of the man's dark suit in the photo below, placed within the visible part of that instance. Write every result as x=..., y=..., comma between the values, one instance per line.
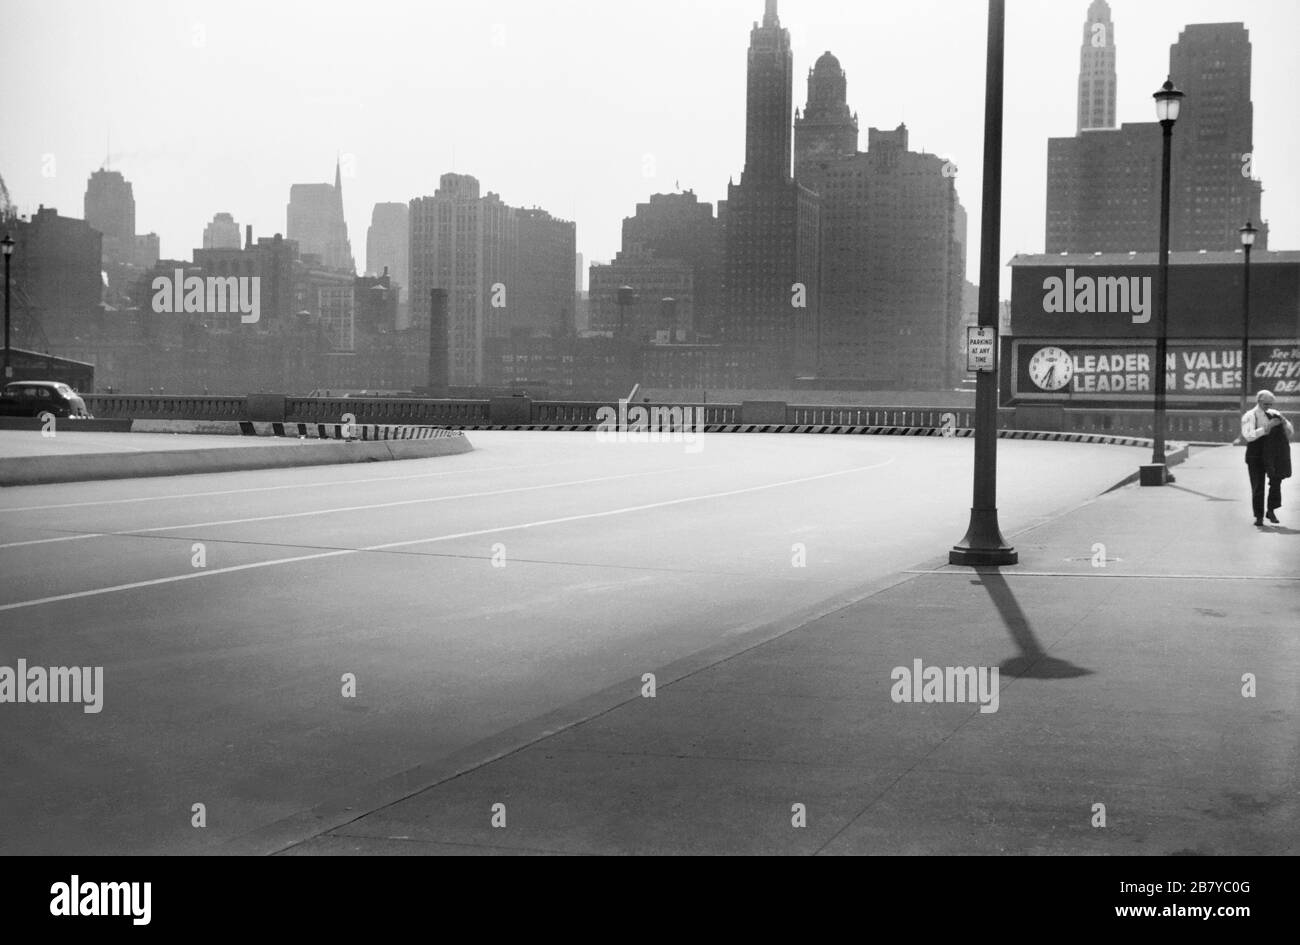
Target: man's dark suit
x=1269, y=455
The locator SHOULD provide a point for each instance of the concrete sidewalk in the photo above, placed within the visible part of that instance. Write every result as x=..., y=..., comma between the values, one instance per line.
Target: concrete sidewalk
x=1122, y=640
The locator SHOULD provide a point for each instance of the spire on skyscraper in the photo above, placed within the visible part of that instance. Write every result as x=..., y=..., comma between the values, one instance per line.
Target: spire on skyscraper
x=768, y=101
x=1097, y=70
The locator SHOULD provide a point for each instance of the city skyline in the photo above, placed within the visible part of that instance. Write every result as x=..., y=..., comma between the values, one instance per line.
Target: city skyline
x=660, y=129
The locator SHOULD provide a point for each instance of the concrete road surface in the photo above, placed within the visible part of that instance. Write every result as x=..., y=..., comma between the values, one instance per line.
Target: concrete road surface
x=465, y=595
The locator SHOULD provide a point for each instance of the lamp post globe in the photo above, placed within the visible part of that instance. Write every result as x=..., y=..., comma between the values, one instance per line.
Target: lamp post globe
x=1168, y=102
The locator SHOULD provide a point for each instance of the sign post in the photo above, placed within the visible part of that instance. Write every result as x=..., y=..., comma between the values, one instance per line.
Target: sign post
x=983, y=544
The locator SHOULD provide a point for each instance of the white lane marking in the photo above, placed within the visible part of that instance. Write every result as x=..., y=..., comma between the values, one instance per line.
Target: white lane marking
x=347, y=508
x=296, y=485
x=195, y=575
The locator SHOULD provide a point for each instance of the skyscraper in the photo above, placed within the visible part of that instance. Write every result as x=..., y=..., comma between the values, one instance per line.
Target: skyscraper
x=679, y=227
x=772, y=230
x=110, y=209
x=388, y=246
x=1097, y=70
x=1103, y=184
x=466, y=244
x=893, y=263
x=388, y=241
x=316, y=222
x=1212, y=185
x=543, y=295
x=827, y=130
x=110, y=204
x=221, y=233
x=768, y=101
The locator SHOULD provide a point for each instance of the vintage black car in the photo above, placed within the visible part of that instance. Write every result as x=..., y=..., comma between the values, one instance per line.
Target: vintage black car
x=33, y=398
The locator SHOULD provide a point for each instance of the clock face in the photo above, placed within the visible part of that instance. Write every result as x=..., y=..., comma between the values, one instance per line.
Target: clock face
x=1050, y=368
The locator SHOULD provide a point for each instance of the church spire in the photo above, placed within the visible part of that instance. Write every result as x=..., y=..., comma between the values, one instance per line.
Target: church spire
x=338, y=177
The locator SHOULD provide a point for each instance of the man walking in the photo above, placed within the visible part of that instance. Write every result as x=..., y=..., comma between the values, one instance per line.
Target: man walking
x=1267, y=435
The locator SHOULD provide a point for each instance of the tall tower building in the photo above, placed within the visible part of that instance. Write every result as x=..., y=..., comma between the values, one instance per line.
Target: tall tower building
x=1103, y=185
x=1097, y=70
x=1213, y=191
x=221, y=233
x=388, y=247
x=110, y=204
x=827, y=130
x=892, y=265
x=315, y=220
x=466, y=244
x=543, y=299
x=769, y=91
x=110, y=209
x=772, y=236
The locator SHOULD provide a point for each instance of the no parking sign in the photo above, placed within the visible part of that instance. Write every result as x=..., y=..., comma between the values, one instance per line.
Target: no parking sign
x=981, y=348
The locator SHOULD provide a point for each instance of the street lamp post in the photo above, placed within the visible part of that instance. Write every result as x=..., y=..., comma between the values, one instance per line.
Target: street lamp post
x=1247, y=241
x=983, y=544
x=8, y=245
x=1168, y=100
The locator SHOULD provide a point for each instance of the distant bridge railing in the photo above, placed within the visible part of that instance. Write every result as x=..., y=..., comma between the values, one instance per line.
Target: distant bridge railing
x=1204, y=425
x=959, y=418
x=385, y=410
x=165, y=407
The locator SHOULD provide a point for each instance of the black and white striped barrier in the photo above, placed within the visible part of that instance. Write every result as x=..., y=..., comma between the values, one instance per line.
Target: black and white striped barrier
x=1098, y=438
x=310, y=431
x=345, y=431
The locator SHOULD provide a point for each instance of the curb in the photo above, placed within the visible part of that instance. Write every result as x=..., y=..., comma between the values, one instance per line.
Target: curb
x=80, y=467
x=67, y=425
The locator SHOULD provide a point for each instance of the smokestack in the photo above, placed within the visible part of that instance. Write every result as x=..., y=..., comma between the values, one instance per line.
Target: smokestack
x=439, y=378
x=248, y=236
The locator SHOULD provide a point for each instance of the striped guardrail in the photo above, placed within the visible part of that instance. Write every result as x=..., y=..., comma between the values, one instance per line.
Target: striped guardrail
x=518, y=413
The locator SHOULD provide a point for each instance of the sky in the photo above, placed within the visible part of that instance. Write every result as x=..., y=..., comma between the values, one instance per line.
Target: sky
x=582, y=107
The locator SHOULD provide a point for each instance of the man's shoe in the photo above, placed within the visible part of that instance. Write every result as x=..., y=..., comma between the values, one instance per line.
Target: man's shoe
x=1272, y=518
x=1259, y=523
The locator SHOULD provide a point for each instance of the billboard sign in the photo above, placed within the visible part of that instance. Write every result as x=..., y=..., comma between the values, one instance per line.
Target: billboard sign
x=1069, y=370
x=1115, y=301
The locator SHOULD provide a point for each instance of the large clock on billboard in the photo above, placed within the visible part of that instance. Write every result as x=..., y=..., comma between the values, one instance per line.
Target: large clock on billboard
x=1050, y=368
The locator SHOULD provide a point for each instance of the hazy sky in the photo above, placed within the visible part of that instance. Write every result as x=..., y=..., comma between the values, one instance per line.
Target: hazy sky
x=583, y=107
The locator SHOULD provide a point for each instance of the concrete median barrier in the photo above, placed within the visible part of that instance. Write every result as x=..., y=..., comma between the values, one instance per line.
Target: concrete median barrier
x=36, y=470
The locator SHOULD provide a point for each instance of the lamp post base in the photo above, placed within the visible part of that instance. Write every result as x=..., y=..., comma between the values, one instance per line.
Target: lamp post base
x=983, y=545
x=1154, y=474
